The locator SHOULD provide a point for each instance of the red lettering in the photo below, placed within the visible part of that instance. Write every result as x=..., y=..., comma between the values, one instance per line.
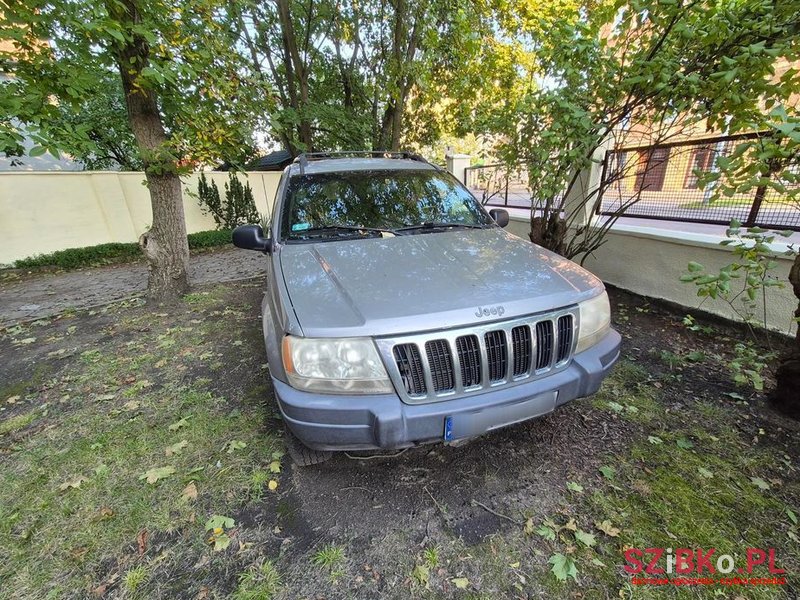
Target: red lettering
x=635, y=565
x=755, y=557
x=772, y=568
x=651, y=568
x=704, y=561
x=683, y=561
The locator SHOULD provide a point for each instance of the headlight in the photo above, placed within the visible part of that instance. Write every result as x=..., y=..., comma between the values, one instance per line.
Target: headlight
x=339, y=366
x=595, y=321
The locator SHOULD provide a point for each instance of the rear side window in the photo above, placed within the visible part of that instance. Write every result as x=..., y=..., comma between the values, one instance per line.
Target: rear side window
x=382, y=199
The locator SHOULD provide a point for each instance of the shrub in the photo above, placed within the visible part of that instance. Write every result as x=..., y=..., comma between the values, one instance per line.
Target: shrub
x=107, y=254
x=75, y=258
x=209, y=239
x=238, y=207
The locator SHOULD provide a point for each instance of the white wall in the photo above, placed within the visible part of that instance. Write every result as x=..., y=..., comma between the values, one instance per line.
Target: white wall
x=42, y=212
x=650, y=262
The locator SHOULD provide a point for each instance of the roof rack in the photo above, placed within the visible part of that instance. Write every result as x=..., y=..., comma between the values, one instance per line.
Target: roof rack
x=306, y=157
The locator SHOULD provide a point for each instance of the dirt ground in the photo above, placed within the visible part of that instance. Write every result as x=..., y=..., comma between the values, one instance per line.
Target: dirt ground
x=466, y=521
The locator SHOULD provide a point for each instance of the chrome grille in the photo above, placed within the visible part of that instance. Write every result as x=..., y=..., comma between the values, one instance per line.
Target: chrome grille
x=444, y=364
x=521, y=347
x=544, y=344
x=497, y=354
x=410, y=367
x=469, y=357
x=440, y=365
x=564, y=337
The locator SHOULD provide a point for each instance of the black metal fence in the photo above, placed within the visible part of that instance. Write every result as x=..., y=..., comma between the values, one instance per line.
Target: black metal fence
x=662, y=182
x=497, y=185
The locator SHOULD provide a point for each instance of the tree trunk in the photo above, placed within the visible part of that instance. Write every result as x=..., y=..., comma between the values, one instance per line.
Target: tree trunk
x=550, y=233
x=164, y=245
x=786, y=396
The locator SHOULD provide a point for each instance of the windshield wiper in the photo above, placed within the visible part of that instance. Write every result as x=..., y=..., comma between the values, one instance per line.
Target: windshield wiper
x=339, y=229
x=440, y=225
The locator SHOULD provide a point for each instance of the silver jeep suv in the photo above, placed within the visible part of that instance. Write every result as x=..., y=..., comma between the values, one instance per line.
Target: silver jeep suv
x=399, y=312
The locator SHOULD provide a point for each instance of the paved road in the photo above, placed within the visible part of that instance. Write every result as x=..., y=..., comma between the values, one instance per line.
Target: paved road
x=49, y=295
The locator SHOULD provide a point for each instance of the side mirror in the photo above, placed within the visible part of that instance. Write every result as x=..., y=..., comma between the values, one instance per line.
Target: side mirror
x=500, y=216
x=251, y=237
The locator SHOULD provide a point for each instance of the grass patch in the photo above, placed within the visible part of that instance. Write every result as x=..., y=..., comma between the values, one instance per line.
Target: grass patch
x=112, y=253
x=131, y=461
x=691, y=480
x=17, y=422
x=259, y=583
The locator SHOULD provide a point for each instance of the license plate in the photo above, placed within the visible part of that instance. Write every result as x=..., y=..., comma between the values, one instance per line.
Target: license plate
x=474, y=423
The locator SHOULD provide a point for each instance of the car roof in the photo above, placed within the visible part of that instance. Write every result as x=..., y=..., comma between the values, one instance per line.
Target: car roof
x=332, y=165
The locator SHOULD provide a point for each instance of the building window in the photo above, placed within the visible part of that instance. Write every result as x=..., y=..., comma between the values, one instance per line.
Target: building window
x=652, y=169
x=702, y=159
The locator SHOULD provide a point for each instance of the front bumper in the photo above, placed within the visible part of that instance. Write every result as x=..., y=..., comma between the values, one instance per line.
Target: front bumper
x=331, y=422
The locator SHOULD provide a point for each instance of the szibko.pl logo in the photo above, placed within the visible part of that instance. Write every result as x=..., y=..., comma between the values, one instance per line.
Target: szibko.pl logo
x=654, y=563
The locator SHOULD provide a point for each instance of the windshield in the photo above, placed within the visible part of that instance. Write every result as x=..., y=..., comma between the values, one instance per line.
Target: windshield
x=376, y=200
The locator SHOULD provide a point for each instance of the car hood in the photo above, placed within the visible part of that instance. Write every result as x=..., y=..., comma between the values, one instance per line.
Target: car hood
x=412, y=283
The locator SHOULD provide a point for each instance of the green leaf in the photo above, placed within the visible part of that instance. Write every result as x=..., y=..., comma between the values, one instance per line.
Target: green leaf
x=178, y=424
x=547, y=533
x=587, y=539
x=574, y=487
x=685, y=444
x=216, y=521
x=157, y=473
x=654, y=439
x=235, y=445
x=563, y=567
x=37, y=151
x=694, y=267
x=760, y=483
x=461, y=583
x=176, y=448
x=616, y=406
x=791, y=515
x=607, y=472
x=705, y=472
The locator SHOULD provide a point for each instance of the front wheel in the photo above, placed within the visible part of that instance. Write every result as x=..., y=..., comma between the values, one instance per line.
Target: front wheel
x=302, y=455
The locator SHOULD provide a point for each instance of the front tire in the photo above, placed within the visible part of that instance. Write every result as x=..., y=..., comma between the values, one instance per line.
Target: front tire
x=302, y=455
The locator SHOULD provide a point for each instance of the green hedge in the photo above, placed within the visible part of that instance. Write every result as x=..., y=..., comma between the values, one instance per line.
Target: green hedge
x=106, y=254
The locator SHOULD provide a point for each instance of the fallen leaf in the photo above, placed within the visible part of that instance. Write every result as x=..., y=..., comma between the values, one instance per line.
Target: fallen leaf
x=705, y=472
x=74, y=483
x=141, y=539
x=178, y=424
x=275, y=466
x=153, y=475
x=563, y=567
x=760, y=483
x=176, y=448
x=234, y=445
x=272, y=485
x=546, y=532
x=608, y=472
x=189, y=492
x=684, y=444
x=575, y=487
x=607, y=528
x=216, y=521
x=461, y=583
x=587, y=539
